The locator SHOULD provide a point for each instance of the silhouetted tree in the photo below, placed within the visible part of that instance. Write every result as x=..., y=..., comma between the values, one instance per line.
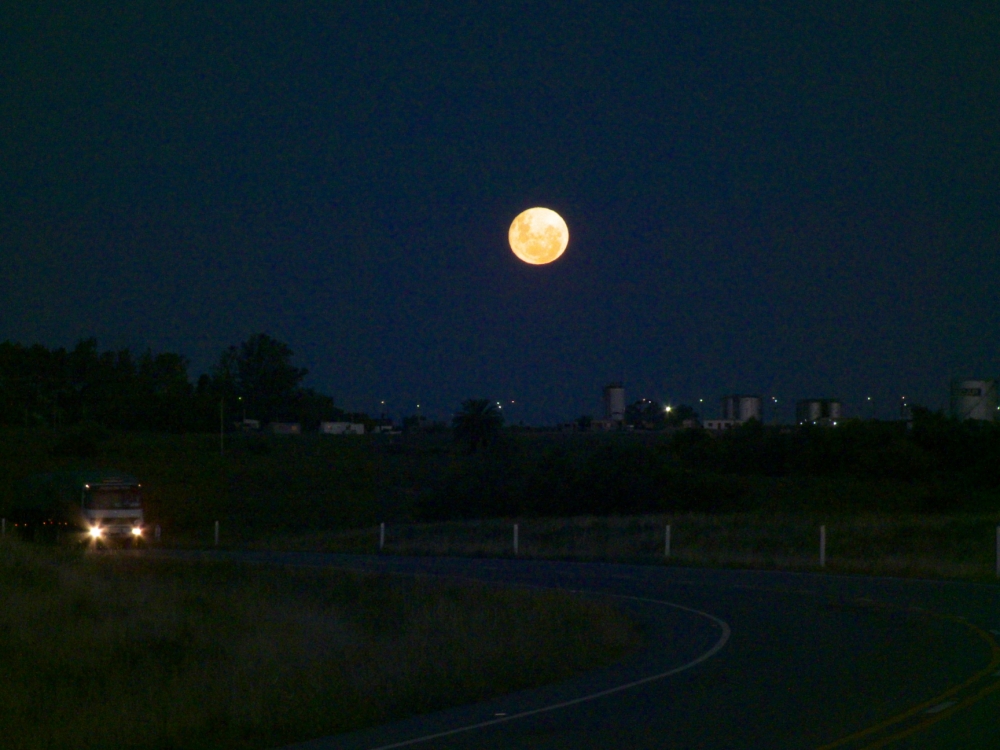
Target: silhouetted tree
x=119, y=389
x=646, y=414
x=260, y=372
x=679, y=414
x=477, y=424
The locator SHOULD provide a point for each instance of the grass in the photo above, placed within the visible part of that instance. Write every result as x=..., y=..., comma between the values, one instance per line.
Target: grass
x=308, y=481
x=119, y=651
x=929, y=546
x=116, y=651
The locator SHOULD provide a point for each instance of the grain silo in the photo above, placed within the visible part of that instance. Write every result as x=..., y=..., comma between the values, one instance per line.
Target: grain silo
x=614, y=402
x=818, y=411
x=741, y=408
x=974, y=399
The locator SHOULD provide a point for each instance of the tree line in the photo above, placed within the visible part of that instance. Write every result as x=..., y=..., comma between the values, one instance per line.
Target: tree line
x=933, y=463
x=123, y=389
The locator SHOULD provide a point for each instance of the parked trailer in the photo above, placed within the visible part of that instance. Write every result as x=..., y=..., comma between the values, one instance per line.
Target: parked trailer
x=96, y=506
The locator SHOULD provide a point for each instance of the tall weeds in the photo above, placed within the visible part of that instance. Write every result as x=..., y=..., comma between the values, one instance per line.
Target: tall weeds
x=129, y=653
x=960, y=546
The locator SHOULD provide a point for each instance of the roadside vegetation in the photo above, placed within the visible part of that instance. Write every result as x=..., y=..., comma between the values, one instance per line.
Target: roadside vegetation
x=125, y=652
x=936, y=466
x=920, y=499
x=269, y=483
x=959, y=547
x=121, y=651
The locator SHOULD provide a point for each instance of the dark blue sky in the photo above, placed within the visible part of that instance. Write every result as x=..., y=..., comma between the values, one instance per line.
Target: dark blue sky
x=784, y=198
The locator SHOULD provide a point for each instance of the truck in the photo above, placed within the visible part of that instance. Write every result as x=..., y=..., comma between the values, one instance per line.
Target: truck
x=93, y=506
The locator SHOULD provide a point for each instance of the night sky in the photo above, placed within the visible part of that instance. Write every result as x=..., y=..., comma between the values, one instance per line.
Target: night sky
x=790, y=199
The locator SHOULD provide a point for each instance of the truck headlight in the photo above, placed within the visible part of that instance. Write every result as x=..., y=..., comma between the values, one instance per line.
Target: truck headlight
x=96, y=532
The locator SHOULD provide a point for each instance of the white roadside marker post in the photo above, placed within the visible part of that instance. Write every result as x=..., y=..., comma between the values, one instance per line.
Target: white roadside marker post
x=381, y=535
x=216, y=533
x=666, y=542
x=515, y=539
x=822, y=546
x=156, y=532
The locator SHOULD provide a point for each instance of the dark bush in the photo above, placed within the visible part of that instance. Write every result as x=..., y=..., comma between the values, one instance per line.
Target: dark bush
x=80, y=442
x=567, y=478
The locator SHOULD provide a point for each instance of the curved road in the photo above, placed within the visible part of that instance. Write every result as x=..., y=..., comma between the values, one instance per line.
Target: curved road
x=734, y=659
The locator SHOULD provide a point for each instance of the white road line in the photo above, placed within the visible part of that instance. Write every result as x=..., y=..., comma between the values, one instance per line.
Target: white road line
x=995, y=632
x=940, y=707
x=719, y=645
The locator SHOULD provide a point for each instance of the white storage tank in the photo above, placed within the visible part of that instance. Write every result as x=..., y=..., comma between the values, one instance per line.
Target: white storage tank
x=741, y=408
x=614, y=402
x=818, y=411
x=974, y=399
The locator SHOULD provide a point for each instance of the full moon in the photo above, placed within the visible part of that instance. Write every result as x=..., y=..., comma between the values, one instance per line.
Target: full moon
x=538, y=236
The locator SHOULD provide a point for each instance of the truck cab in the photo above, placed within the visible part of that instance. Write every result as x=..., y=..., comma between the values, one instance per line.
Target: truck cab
x=112, y=508
x=99, y=506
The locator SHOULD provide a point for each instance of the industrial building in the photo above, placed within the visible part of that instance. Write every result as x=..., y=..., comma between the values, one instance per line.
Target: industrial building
x=974, y=399
x=718, y=425
x=736, y=410
x=741, y=408
x=614, y=402
x=819, y=411
x=341, y=428
x=614, y=409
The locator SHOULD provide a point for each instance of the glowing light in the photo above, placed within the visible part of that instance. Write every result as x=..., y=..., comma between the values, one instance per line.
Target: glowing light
x=136, y=531
x=96, y=532
x=538, y=236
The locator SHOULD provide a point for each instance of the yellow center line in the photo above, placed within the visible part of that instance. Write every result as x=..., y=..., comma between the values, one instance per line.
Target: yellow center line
x=934, y=719
x=936, y=700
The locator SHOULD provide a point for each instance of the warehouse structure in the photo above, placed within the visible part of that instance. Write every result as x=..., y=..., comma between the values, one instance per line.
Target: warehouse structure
x=974, y=399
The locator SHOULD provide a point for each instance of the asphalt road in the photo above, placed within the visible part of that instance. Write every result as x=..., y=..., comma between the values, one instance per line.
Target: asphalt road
x=735, y=659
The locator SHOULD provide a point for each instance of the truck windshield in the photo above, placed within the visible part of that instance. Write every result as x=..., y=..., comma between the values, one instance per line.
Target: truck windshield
x=112, y=499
